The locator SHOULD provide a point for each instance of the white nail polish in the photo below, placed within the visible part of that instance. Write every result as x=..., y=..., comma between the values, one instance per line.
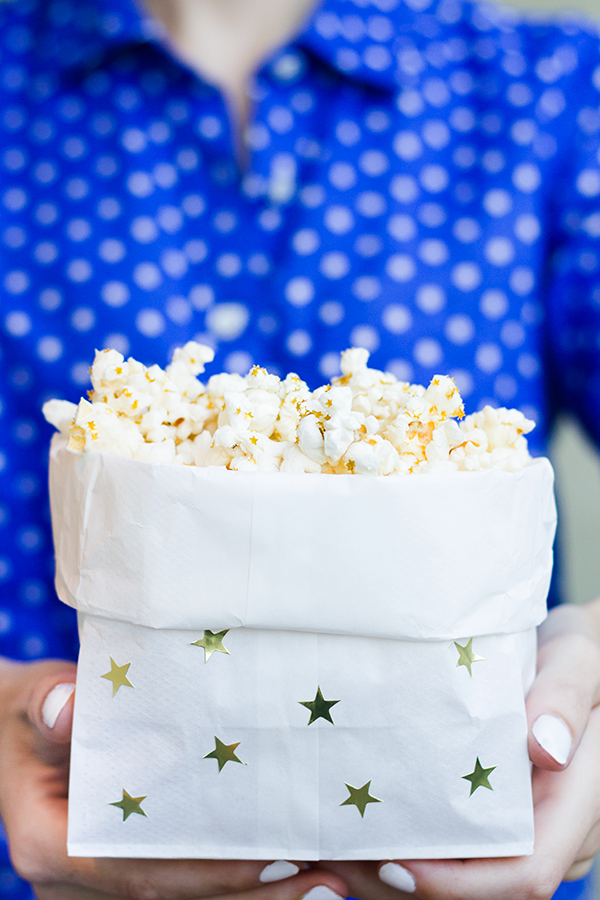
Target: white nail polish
x=553, y=736
x=321, y=892
x=397, y=877
x=55, y=702
x=278, y=870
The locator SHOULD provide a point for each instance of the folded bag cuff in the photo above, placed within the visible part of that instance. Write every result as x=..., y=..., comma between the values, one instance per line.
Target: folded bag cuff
x=180, y=547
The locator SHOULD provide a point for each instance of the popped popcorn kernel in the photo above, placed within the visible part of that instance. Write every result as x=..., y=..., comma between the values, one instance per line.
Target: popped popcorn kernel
x=365, y=422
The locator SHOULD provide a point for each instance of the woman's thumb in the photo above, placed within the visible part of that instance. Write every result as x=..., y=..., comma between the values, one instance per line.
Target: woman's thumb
x=51, y=706
x=564, y=692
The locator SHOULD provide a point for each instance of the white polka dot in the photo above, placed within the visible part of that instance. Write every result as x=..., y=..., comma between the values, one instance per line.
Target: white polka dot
x=299, y=342
x=225, y=221
x=370, y=204
x=47, y=214
x=466, y=230
x=201, y=296
x=365, y=336
x=402, y=228
x=15, y=199
x=80, y=373
x=528, y=365
x=527, y=177
x=462, y=119
x=228, y=265
x=434, y=178
x=50, y=299
x=366, y=288
x=306, y=241
x=140, y=184
x=493, y=161
x=334, y=265
x=505, y=387
x=331, y=312
x=79, y=229
x=193, y=205
x=524, y=132
x=459, y=329
x=494, y=304
x=269, y=219
x=114, y=293
x=500, y=251
x=497, y=202
x=109, y=208
x=342, y=175
x=147, y=276
x=404, y=188
x=401, y=267
x=432, y=215
x=433, y=252
x=528, y=228
x=400, y=368
x=368, y=245
x=77, y=188
x=347, y=132
x=227, y=320
x=488, y=357
x=408, y=146
x=588, y=182
x=17, y=323
x=116, y=341
x=111, y=250
x=134, y=140
x=396, y=318
x=174, y=262
x=16, y=282
x=464, y=157
x=436, y=134
x=428, y=352
x=79, y=270
x=522, y=281
x=49, y=348
x=373, y=163
x=464, y=381
x=179, y=310
x=377, y=120
x=259, y=264
x=210, y=127
x=143, y=229
x=329, y=365
x=83, y=318
x=512, y=334
x=150, y=322
x=338, y=219
x=430, y=298
x=195, y=250
x=466, y=276
x=410, y=103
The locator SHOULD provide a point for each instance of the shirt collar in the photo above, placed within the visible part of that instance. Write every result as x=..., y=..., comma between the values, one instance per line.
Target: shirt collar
x=357, y=38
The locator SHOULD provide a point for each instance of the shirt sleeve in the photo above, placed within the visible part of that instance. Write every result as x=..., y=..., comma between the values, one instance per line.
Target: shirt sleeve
x=573, y=289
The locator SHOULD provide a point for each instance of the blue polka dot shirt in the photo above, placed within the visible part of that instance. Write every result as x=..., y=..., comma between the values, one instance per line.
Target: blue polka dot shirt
x=422, y=179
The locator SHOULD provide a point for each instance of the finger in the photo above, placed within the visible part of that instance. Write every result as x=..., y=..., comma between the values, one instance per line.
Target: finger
x=50, y=712
x=579, y=869
x=566, y=688
x=566, y=812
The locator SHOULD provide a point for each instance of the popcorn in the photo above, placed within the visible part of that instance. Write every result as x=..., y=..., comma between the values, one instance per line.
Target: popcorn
x=365, y=422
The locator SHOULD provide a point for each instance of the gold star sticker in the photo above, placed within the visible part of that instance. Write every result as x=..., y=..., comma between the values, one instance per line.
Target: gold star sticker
x=130, y=805
x=319, y=707
x=224, y=753
x=359, y=797
x=466, y=657
x=479, y=777
x=212, y=643
x=118, y=676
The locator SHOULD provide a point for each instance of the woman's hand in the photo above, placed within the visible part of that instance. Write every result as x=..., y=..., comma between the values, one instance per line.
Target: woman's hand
x=36, y=709
x=564, y=746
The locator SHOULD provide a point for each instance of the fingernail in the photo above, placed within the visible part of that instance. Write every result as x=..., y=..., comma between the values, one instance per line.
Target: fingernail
x=397, y=877
x=553, y=736
x=278, y=870
x=55, y=702
x=321, y=892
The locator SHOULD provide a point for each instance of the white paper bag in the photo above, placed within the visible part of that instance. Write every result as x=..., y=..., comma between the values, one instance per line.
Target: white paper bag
x=367, y=699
